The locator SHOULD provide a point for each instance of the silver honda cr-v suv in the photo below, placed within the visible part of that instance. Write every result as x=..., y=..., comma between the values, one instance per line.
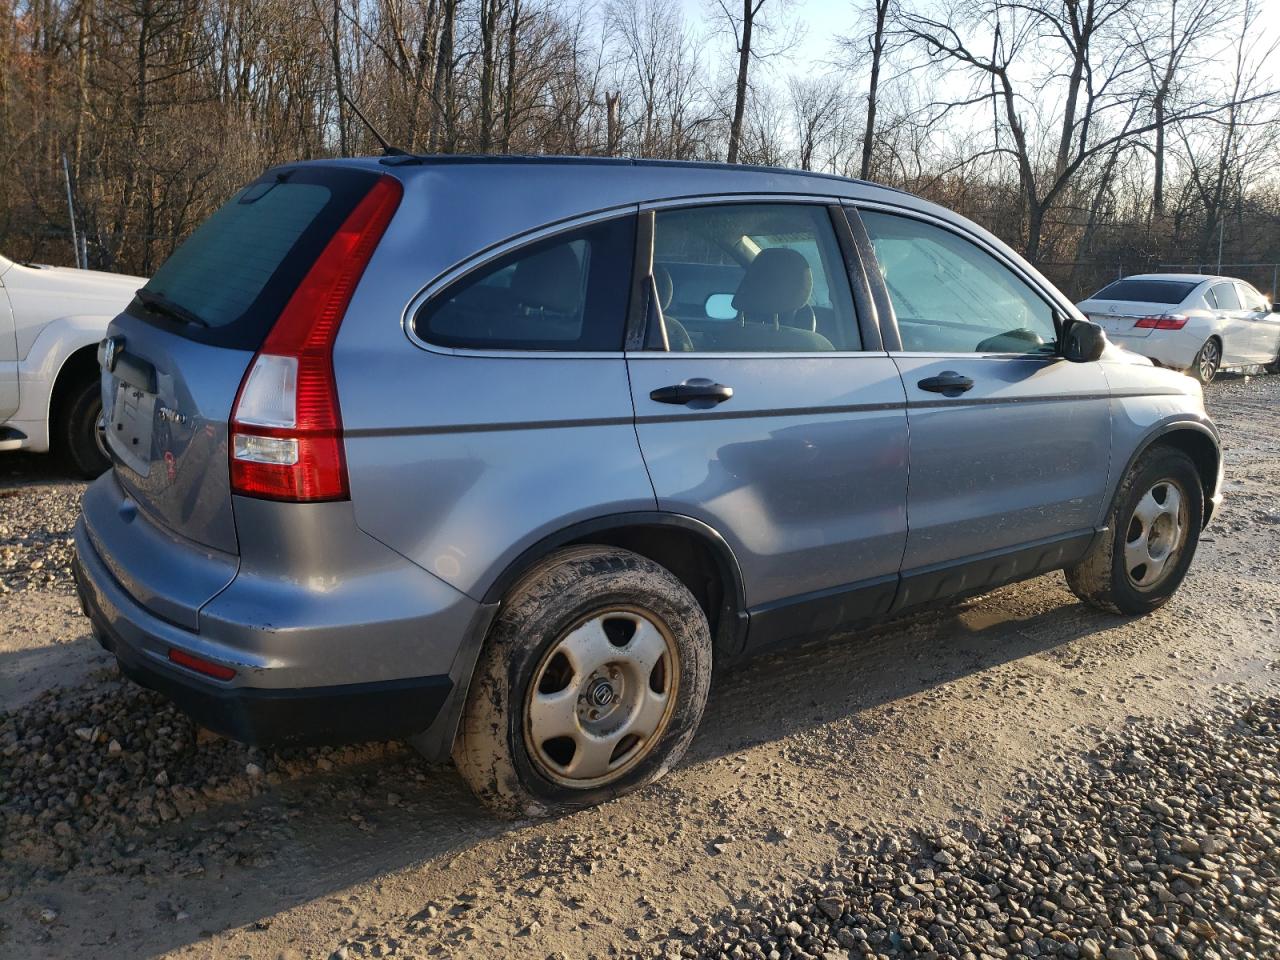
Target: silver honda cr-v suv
x=503, y=454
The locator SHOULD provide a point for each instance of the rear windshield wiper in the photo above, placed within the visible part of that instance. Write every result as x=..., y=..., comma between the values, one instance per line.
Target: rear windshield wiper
x=159, y=303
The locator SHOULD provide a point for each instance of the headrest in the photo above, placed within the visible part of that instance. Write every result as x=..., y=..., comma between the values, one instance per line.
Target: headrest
x=666, y=289
x=777, y=281
x=803, y=319
x=550, y=279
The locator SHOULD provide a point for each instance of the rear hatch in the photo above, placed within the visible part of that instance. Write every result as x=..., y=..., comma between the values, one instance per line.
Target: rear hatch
x=1119, y=306
x=175, y=359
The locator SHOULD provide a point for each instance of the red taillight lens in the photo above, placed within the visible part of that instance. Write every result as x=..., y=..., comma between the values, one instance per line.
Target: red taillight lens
x=1167, y=321
x=286, y=429
x=200, y=664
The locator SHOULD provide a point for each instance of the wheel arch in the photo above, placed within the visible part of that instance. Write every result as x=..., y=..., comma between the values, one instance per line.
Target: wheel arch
x=80, y=365
x=692, y=550
x=1199, y=442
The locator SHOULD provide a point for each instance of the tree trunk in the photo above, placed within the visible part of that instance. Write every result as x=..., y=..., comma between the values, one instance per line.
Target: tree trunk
x=744, y=63
x=613, y=121
x=442, y=139
x=335, y=52
x=873, y=89
x=1157, y=199
x=509, y=95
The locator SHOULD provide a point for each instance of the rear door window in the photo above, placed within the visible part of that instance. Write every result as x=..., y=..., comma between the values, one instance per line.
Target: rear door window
x=752, y=278
x=1225, y=294
x=568, y=292
x=229, y=281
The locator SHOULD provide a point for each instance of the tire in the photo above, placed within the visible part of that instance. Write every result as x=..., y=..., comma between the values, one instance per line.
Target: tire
x=1208, y=361
x=578, y=606
x=79, y=438
x=1111, y=574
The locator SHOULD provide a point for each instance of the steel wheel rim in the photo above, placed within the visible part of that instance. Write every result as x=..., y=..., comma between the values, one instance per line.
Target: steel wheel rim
x=601, y=697
x=1155, y=535
x=100, y=434
x=1208, y=361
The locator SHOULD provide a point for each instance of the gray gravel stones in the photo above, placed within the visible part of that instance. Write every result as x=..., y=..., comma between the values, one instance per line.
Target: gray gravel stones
x=1167, y=846
x=35, y=537
x=96, y=776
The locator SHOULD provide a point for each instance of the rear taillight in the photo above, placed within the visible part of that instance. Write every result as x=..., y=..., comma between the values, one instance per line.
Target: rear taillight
x=286, y=429
x=1166, y=321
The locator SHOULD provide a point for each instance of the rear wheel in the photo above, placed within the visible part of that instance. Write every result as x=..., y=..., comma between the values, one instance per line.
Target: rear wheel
x=591, y=684
x=81, y=437
x=1208, y=361
x=1151, y=537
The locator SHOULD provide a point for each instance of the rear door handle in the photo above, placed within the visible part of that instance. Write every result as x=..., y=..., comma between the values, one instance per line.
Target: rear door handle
x=948, y=383
x=698, y=391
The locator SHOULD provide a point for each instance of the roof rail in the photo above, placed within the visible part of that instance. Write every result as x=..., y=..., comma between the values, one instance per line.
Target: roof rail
x=445, y=159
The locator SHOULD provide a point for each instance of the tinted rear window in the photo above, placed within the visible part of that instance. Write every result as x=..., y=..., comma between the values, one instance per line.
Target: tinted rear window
x=238, y=269
x=1146, y=291
x=567, y=292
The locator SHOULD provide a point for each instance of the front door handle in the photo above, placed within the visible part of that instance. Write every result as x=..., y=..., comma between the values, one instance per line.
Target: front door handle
x=699, y=392
x=948, y=383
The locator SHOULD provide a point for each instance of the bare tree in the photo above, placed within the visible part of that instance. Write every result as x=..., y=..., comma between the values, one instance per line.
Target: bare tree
x=1083, y=51
x=869, y=50
x=1168, y=34
x=1224, y=159
x=746, y=28
x=818, y=109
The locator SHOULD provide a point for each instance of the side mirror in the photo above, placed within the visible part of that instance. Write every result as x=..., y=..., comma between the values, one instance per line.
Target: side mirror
x=1083, y=342
x=1275, y=307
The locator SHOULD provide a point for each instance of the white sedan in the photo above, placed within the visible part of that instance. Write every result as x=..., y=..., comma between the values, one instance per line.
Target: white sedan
x=51, y=320
x=1188, y=321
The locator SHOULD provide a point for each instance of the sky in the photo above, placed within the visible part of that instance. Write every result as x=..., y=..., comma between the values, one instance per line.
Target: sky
x=824, y=20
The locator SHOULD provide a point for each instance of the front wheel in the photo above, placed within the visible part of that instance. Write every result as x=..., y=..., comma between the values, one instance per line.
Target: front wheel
x=1152, y=534
x=1207, y=362
x=591, y=684
x=82, y=440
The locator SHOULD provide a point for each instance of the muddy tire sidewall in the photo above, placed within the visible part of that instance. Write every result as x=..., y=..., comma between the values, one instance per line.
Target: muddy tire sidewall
x=570, y=586
x=79, y=432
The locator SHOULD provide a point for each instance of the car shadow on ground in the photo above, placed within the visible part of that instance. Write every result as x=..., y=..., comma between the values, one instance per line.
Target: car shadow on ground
x=317, y=834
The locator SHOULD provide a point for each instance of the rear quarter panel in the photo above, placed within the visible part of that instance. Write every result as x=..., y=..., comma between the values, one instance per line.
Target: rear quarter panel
x=462, y=462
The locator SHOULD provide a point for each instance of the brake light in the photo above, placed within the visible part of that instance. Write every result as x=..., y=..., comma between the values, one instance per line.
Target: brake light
x=286, y=428
x=1166, y=321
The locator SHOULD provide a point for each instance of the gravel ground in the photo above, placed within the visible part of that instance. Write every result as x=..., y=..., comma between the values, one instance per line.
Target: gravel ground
x=1168, y=844
x=35, y=537
x=1025, y=749
x=88, y=776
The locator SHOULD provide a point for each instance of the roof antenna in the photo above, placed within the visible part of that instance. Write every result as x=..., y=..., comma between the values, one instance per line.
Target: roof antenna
x=387, y=149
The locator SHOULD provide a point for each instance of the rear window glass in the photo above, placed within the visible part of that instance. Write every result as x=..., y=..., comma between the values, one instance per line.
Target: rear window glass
x=233, y=276
x=1146, y=291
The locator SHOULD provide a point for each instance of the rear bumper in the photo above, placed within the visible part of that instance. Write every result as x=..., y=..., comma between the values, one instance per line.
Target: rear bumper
x=1174, y=350
x=270, y=700
x=345, y=713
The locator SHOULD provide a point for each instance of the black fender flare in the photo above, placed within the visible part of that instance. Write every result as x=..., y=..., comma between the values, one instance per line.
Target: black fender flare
x=1178, y=423
x=734, y=608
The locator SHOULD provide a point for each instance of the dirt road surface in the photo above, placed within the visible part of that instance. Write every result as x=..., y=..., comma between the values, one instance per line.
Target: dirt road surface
x=124, y=832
